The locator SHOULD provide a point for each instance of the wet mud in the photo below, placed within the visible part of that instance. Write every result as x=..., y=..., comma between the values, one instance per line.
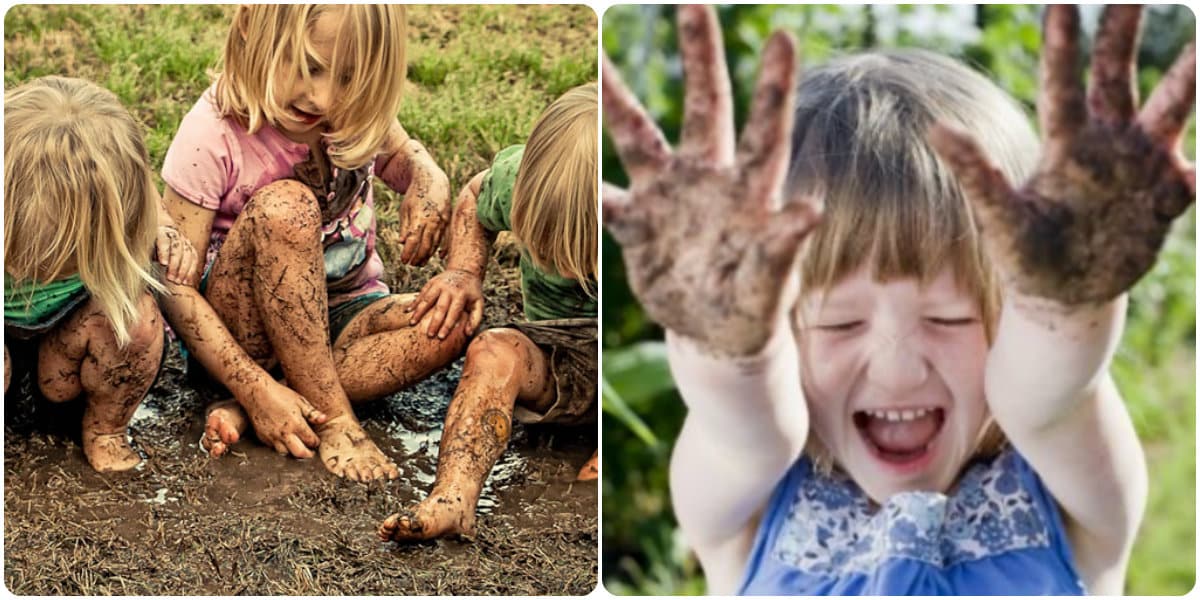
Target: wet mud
x=253, y=522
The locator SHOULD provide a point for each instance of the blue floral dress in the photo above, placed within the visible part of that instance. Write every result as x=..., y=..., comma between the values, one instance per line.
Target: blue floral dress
x=1000, y=533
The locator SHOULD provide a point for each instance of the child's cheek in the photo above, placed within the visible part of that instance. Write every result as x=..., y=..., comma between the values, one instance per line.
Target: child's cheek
x=960, y=355
x=828, y=367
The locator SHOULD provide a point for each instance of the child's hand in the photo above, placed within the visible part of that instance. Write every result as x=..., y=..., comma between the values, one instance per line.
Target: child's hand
x=455, y=293
x=281, y=418
x=176, y=254
x=708, y=249
x=425, y=214
x=1091, y=220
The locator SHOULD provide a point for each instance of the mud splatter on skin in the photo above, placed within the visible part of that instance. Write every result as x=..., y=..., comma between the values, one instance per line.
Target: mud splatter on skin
x=708, y=252
x=498, y=372
x=1092, y=219
x=82, y=356
x=426, y=209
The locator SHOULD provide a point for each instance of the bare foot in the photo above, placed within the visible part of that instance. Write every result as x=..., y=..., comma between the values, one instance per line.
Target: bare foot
x=591, y=470
x=225, y=425
x=109, y=452
x=347, y=451
x=436, y=516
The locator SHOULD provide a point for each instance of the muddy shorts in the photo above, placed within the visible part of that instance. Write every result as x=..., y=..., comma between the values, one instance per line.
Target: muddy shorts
x=571, y=345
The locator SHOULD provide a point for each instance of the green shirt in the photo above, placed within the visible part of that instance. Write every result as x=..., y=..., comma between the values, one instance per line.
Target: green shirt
x=30, y=303
x=547, y=295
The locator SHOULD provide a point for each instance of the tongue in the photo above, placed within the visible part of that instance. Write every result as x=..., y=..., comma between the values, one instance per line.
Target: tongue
x=903, y=436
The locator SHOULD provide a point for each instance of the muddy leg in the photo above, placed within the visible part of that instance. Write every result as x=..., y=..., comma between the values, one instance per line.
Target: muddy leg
x=379, y=353
x=7, y=369
x=502, y=367
x=268, y=286
x=82, y=356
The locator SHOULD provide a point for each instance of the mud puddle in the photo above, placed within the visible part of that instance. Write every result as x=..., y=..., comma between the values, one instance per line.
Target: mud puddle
x=257, y=523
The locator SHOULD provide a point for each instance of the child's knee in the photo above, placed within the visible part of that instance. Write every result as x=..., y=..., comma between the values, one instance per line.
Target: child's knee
x=286, y=211
x=496, y=351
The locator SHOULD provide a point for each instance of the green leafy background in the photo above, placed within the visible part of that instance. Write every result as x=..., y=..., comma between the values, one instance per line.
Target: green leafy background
x=1154, y=366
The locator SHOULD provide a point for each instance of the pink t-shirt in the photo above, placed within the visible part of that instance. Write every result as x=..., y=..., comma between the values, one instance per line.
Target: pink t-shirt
x=217, y=164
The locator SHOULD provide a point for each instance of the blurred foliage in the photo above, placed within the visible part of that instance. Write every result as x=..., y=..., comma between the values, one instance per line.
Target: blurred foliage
x=1154, y=366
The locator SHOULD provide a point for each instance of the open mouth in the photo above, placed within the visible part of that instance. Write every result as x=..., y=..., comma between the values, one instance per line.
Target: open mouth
x=900, y=438
x=304, y=116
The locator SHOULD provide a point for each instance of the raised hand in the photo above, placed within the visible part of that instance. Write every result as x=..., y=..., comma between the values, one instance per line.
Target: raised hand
x=1091, y=220
x=708, y=249
x=424, y=216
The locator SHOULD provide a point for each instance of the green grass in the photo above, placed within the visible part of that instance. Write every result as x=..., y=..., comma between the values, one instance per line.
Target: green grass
x=479, y=75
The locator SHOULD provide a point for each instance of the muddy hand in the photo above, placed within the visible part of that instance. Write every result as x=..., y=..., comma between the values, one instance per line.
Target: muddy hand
x=451, y=295
x=282, y=419
x=176, y=254
x=425, y=220
x=708, y=249
x=1091, y=220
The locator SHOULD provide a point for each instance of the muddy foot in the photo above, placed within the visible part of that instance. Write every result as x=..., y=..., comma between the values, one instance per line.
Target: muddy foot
x=108, y=452
x=225, y=425
x=435, y=517
x=591, y=470
x=347, y=451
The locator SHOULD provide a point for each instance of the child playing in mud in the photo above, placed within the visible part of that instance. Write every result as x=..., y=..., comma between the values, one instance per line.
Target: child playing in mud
x=945, y=337
x=539, y=371
x=271, y=173
x=80, y=219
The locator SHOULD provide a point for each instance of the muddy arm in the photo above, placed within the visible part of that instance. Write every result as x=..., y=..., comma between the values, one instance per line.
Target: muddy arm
x=406, y=167
x=195, y=321
x=458, y=290
x=1069, y=243
x=470, y=242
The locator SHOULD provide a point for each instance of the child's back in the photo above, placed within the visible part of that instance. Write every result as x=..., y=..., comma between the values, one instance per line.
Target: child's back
x=80, y=222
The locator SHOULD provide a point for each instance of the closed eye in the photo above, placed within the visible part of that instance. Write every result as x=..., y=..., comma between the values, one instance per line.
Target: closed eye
x=950, y=322
x=840, y=327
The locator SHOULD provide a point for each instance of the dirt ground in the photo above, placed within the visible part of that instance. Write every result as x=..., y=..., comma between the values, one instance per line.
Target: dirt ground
x=256, y=523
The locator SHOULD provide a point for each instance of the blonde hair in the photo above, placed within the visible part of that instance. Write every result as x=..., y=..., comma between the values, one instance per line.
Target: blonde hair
x=79, y=194
x=268, y=46
x=859, y=142
x=554, y=196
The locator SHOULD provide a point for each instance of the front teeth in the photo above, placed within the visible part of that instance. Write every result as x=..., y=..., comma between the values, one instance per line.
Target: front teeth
x=897, y=416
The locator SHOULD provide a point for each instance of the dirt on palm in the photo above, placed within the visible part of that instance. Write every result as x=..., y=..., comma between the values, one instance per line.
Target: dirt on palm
x=253, y=522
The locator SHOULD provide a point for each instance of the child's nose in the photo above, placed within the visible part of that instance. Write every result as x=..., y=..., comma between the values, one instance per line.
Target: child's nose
x=896, y=364
x=320, y=94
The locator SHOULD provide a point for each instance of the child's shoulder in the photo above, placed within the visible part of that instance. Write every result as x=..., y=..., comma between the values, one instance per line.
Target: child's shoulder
x=495, y=194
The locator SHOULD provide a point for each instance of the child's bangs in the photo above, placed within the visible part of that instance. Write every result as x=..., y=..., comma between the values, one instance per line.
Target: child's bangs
x=890, y=205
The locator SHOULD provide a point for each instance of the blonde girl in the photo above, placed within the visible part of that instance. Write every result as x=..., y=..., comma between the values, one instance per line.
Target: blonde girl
x=932, y=299
x=80, y=221
x=539, y=371
x=271, y=173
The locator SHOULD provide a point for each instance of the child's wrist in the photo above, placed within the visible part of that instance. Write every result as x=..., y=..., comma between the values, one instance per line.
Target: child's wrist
x=745, y=363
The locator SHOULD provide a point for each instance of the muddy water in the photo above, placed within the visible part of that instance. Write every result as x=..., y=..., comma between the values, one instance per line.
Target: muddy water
x=257, y=523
